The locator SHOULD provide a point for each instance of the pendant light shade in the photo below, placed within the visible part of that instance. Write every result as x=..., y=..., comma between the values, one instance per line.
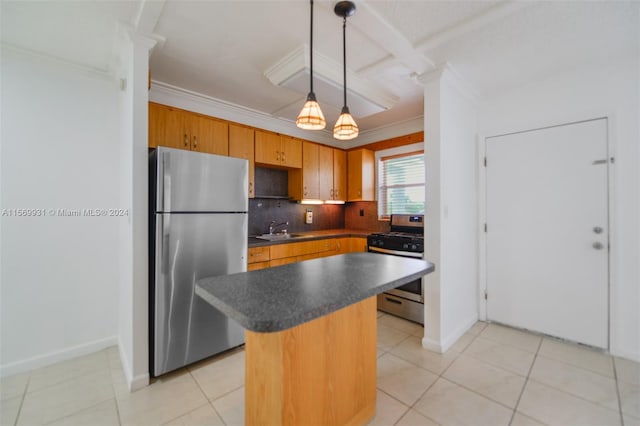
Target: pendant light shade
x=346, y=127
x=311, y=117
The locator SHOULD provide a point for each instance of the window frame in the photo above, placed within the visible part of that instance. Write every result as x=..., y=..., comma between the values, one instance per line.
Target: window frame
x=401, y=151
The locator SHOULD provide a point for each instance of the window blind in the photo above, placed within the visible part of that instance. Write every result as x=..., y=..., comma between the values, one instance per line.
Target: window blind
x=401, y=184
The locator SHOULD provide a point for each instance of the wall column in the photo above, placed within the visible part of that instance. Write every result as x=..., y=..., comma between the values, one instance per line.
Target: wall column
x=450, y=129
x=133, y=336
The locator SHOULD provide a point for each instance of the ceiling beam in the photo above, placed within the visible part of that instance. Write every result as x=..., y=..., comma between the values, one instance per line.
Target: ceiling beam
x=474, y=23
x=148, y=16
x=388, y=38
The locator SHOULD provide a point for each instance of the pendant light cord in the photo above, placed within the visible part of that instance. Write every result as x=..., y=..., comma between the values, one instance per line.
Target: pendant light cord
x=311, y=49
x=344, y=58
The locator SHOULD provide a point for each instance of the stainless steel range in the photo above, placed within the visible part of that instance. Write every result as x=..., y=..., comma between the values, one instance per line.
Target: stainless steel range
x=405, y=239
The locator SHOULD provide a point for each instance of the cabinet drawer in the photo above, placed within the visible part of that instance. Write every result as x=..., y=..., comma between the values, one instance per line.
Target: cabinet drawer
x=258, y=254
x=293, y=249
x=257, y=265
x=330, y=244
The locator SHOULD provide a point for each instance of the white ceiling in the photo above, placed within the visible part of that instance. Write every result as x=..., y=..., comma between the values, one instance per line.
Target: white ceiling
x=222, y=48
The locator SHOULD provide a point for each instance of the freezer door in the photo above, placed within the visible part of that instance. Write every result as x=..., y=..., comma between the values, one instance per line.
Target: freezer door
x=196, y=182
x=190, y=247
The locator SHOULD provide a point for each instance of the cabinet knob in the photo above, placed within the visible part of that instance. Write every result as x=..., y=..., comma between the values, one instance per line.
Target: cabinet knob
x=186, y=140
x=278, y=155
x=195, y=142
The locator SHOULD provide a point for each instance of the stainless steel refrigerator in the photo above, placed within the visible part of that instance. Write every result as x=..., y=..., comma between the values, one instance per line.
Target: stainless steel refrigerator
x=198, y=228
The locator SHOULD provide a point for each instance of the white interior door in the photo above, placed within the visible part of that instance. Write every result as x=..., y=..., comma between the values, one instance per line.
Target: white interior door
x=547, y=231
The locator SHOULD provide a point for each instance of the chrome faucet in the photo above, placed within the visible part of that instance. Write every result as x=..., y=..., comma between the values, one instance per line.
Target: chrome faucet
x=273, y=225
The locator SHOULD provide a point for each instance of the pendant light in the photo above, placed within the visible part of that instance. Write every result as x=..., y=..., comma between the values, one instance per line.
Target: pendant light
x=346, y=127
x=311, y=117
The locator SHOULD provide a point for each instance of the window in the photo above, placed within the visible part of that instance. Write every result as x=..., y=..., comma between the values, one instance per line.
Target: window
x=401, y=184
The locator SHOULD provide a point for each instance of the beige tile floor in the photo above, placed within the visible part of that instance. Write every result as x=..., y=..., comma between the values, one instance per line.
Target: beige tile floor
x=493, y=375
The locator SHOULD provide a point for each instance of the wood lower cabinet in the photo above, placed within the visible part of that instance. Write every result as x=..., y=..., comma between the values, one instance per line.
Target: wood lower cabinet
x=360, y=172
x=241, y=145
x=321, y=372
x=176, y=128
x=258, y=258
x=282, y=254
x=356, y=244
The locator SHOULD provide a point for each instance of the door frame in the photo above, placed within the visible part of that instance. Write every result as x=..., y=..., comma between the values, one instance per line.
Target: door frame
x=481, y=149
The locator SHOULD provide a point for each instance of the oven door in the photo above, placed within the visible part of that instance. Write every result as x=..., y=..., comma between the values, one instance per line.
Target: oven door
x=412, y=290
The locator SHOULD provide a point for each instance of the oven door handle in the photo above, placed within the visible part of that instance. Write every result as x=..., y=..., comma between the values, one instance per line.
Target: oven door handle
x=396, y=252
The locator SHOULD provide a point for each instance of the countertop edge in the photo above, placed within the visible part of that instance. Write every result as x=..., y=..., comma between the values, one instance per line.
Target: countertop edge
x=313, y=235
x=281, y=324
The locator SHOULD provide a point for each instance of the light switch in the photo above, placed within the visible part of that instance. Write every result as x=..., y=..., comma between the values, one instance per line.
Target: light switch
x=308, y=218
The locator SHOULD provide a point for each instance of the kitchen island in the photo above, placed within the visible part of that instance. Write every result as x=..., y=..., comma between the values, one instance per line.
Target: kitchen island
x=311, y=334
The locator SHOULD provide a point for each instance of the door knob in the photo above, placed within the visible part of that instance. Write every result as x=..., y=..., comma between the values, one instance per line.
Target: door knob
x=597, y=245
x=597, y=230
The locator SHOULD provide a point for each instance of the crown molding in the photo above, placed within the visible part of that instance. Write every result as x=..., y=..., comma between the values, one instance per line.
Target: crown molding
x=42, y=58
x=178, y=97
x=411, y=125
x=168, y=94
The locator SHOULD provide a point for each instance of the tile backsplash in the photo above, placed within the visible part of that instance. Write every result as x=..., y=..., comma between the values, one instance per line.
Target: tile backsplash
x=264, y=210
x=271, y=203
x=364, y=215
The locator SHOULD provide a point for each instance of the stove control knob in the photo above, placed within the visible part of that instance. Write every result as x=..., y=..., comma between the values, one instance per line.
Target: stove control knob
x=413, y=247
x=405, y=246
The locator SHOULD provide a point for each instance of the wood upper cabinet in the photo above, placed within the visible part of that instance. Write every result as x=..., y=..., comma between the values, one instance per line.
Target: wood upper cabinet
x=303, y=183
x=360, y=172
x=277, y=150
x=241, y=145
x=339, y=175
x=206, y=134
x=291, y=152
x=176, y=128
x=165, y=127
x=325, y=172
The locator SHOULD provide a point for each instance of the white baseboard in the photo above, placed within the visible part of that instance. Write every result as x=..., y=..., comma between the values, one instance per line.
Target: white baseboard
x=445, y=343
x=133, y=383
x=57, y=356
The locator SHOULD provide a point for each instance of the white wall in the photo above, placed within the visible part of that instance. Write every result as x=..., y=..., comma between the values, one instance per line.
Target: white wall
x=610, y=90
x=133, y=336
x=451, y=212
x=59, y=150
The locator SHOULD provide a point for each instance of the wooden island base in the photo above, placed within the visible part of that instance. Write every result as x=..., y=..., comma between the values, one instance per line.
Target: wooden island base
x=322, y=372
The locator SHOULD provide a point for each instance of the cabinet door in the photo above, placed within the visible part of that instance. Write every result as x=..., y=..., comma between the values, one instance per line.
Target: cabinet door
x=267, y=148
x=325, y=172
x=310, y=184
x=209, y=135
x=241, y=146
x=167, y=127
x=360, y=172
x=357, y=244
x=339, y=175
x=291, y=152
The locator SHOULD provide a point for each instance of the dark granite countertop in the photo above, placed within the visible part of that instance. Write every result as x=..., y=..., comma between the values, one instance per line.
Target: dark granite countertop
x=275, y=299
x=311, y=235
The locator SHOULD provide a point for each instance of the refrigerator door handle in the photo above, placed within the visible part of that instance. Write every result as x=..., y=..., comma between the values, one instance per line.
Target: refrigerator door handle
x=164, y=173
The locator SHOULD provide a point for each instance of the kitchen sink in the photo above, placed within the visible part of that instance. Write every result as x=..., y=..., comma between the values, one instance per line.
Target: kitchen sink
x=278, y=236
